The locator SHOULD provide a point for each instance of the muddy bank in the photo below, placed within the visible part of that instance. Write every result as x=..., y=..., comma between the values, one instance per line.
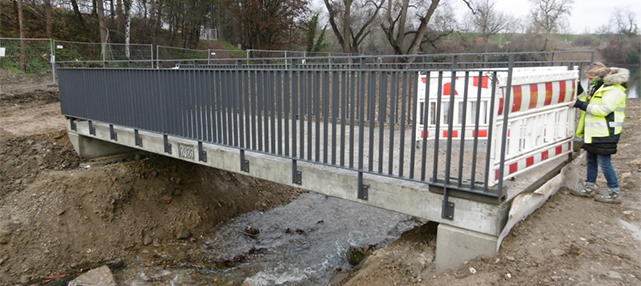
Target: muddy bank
x=59, y=214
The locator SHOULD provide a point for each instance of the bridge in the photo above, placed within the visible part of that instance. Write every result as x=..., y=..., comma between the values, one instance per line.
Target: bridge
x=462, y=140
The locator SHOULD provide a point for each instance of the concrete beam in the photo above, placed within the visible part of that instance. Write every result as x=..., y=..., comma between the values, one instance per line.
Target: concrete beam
x=455, y=245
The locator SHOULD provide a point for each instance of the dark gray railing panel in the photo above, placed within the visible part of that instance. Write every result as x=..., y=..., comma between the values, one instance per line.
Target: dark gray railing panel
x=355, y=114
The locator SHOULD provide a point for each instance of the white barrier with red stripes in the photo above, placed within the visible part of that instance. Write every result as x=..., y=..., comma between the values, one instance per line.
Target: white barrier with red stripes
x=540, y=124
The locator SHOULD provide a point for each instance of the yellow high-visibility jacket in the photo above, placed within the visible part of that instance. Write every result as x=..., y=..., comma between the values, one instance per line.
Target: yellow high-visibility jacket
x=602, y=117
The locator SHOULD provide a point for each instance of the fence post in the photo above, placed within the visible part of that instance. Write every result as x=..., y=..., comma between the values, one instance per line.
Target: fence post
x=52, y=44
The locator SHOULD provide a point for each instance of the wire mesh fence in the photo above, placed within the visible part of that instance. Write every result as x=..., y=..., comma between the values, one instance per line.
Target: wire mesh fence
x=29, y=63
x=26, y=63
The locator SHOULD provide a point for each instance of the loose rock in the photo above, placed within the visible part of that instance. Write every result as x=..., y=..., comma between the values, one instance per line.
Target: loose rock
x=100, y=276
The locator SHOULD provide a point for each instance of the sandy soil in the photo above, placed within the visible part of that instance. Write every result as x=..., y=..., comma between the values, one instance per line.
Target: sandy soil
x=59, y=214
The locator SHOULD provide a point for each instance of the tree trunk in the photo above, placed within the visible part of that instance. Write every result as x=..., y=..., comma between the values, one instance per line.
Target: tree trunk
x=128, y=29
x=101, y=22
x=422, y=30
x=23, y=56
x=76, y=11
x=48, y=19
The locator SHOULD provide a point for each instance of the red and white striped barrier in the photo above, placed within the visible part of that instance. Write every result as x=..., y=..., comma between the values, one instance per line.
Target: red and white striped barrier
x=539, y=121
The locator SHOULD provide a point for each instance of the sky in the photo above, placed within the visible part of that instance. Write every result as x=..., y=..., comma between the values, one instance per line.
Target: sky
x=587, y=15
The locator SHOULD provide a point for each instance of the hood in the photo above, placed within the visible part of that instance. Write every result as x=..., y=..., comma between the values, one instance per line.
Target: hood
x=617, y=76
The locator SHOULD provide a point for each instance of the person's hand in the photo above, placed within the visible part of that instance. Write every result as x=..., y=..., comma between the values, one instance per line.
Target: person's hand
x=571, y=104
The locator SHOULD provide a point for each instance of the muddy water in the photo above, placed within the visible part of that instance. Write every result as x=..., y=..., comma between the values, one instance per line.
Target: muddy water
x=302, y=243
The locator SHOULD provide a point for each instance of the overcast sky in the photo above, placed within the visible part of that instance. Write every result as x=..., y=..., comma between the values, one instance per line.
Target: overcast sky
x=586, y=14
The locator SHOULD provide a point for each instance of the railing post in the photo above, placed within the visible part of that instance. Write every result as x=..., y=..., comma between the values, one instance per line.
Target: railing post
x=447, y=209
x=507, y=105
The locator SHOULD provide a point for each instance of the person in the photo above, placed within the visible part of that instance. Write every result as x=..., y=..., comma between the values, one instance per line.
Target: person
x=601, y=123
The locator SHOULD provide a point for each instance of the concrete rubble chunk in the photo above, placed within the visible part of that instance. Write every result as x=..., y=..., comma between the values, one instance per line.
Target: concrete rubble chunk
x=100, y=276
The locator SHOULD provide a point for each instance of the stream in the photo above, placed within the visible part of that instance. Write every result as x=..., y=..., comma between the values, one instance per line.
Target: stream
x=302, y=243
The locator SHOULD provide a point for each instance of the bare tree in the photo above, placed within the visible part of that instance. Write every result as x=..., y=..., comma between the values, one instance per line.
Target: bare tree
x=488, y=21
x=351, y=27
x=625, y=21
x=546, y=15
x=396, y=24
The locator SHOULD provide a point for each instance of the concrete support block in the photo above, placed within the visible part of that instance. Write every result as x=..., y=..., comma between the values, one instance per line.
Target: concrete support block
x=90, y=148
x=456, y=245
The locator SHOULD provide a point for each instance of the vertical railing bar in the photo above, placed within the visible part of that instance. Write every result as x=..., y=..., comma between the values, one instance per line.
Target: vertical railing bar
x=267, y=102
x=394, y=86
x=286, y=108
x=463, y=125
x=426, y=118
x=223, y=107
x=352, y=119
x=335, y=107
x=242, y=108
x=382, y=117
x=192, y=106
x=237, y=108
x=476, y=130
x=278, y=115
x=213, y=86
x=437, y=131
x=344, y=107
x=253, y=80
x=205, y=96
x=490, y=131
x=309, y=110
x=371, y=115
x=361, y=113
x=197, y=105
x=318, y=84
x=260, y=107
x=450, y=121
x=229, y=95
x=507, y=106
x=273, y=100
x=413, y=107
x=302, y=101
x=295, y=108
x=326, y=95
x=404, y=94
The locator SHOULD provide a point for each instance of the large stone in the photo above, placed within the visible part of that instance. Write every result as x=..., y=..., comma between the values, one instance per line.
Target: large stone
x=100, y=276
x=6, y=229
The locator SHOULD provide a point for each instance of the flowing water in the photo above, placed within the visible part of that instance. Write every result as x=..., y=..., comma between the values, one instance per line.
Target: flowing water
x=302, y=243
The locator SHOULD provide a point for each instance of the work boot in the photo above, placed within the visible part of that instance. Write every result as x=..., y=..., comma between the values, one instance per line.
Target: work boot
x=586, y=191
x=609, y=197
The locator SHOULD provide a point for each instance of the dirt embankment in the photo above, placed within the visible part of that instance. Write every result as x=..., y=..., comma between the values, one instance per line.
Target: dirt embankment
x=59, y=214
x=568, y=241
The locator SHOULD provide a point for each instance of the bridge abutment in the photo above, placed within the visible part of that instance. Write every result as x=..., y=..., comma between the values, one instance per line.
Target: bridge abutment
x=455, y=245
x=91, y=148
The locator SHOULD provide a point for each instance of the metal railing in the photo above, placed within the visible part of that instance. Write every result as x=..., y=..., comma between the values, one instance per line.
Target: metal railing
x=354, y=113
